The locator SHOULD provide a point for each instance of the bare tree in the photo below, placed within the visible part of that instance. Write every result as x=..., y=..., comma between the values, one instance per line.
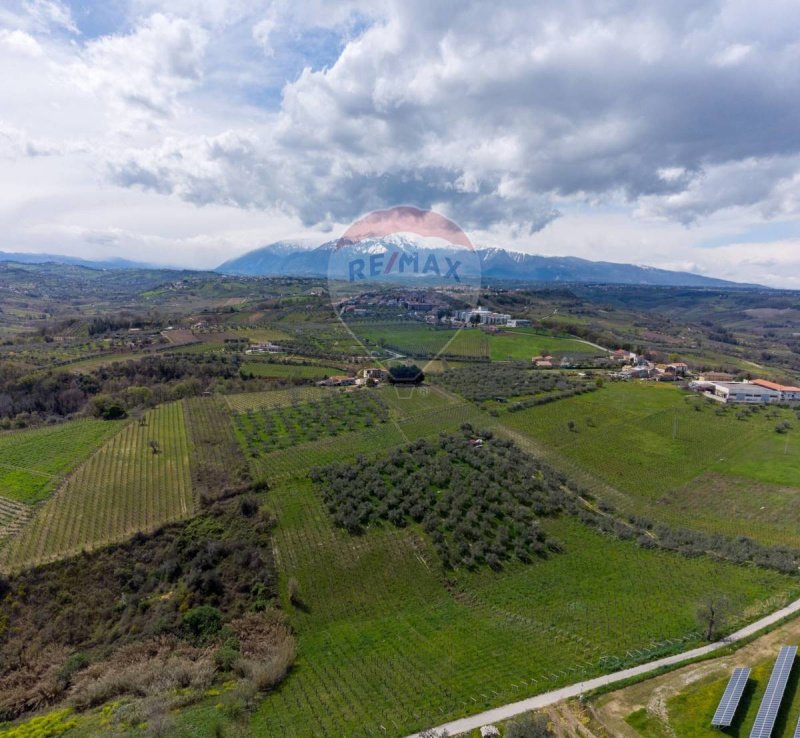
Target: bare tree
x=155, y=446
x=712, y=614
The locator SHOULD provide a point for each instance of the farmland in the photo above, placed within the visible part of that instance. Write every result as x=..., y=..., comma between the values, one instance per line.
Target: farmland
x=382, y=642
x=266, y=430
x=33, y=462
x=123, y=488
x=301, y=371
x=624, y=432
x=469, y=343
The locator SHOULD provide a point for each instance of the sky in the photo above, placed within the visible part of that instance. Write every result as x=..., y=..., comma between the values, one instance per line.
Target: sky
x=188, y=132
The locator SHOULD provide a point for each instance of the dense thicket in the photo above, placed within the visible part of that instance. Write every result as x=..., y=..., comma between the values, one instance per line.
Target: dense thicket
x=478, y=383
x=146, y=381
x=480, y=498
x=182, y=583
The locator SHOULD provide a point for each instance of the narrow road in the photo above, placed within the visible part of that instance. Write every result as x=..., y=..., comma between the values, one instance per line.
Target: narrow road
x=498, y=714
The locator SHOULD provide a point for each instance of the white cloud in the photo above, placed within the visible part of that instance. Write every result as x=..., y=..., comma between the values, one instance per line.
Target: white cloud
x=599, y=127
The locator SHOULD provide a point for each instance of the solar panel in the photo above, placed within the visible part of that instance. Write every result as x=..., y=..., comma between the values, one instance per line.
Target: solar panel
x=731, y=697
x=770, y=704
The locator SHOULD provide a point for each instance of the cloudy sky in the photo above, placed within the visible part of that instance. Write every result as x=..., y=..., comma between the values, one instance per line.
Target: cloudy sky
x=190, y=131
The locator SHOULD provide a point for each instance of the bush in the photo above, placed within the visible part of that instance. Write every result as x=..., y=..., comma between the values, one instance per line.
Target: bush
x=203, y=622
x=529, y=726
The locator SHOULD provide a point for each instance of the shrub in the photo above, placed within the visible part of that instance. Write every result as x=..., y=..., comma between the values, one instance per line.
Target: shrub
x=529, y=726
x=203, y=622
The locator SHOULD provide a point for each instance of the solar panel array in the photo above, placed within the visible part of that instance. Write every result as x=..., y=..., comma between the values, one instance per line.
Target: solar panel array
x=723, y=717
x=770, y=704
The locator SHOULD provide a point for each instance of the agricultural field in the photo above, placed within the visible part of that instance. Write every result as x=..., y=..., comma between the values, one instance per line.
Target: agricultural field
x=245, y=401
x=654, y=443
x=299, y=371
x=416, y=339
x=383, y=643
x=123, y=488
x=506, y=381
x=263, y=431
x=33, y=462
x=216, y=460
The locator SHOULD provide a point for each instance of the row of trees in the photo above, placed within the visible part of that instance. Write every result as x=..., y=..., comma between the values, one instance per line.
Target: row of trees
x=479, y=383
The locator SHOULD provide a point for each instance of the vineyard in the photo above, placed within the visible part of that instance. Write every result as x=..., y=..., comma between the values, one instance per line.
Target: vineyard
x=245, y=401
x=216, y=460
x=33, y=462
x=267, y=430
x=386, y=649
x=123, y=488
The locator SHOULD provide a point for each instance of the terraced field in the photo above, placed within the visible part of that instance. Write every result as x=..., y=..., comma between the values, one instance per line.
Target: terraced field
x=123, y=488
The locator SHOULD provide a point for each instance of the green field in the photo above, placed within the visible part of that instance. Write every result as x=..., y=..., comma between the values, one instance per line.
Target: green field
x=33, y=462
x=299, y=371
x=650, y=442
x=383, y=643
x=275, y=398
x=121, y=489
x=469, y=343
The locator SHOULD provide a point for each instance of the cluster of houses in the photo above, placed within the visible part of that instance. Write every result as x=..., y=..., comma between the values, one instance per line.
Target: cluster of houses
x=639, y=367
x=369, y=376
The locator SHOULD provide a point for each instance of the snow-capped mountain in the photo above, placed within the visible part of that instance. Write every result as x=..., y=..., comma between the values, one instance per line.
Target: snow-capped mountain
x=494, y=263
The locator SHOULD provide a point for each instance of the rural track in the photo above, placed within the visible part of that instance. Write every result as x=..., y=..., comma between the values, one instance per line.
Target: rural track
x=547, y=699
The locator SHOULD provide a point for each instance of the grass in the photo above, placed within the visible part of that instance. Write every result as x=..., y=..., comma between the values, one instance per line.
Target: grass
x=469, y=343
x=300, y=371
x=121, y=489
x=33, y=462
x=690, y=712
x=261, y=431
x=384, y=643
x=649, y=442
x=273, y=398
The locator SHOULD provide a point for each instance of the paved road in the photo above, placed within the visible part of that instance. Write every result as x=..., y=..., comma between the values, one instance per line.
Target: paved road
x=546, y=699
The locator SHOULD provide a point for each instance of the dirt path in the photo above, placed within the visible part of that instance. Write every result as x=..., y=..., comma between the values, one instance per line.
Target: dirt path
x=612, y=709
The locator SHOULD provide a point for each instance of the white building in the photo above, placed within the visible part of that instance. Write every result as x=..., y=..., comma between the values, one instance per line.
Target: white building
x=745, y=392
x=483, y=315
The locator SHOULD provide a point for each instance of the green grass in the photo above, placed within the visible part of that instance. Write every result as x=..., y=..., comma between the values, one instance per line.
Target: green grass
x=470, y=343
x=121, y=489
x=691, y=711
x=300, y=371
x=649, y=442
x=383, y=643
x=274, y=398
x=33, y=462
x=265, y=430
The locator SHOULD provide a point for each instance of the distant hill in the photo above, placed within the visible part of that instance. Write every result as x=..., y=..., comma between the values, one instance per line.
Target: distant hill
x=115, y=263
x=281, y=259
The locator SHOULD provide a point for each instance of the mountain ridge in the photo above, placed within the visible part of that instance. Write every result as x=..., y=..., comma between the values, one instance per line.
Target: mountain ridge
x=496, y=263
